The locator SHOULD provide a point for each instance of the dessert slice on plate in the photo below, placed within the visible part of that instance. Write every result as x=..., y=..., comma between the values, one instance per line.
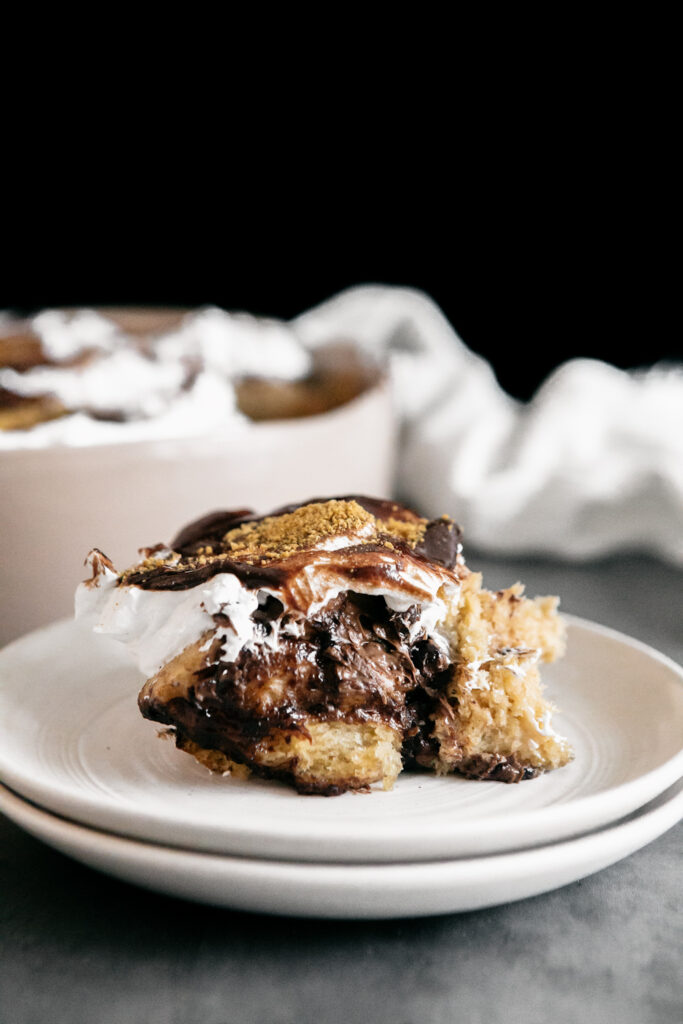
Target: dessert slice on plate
x=331, y=645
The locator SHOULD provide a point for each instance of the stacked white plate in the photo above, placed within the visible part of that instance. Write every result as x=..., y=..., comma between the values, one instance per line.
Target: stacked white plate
x=84, y=772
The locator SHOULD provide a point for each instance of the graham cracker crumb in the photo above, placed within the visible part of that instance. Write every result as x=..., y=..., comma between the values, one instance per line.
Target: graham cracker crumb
x=147, y=565
x=411, y=532
x=279, y=536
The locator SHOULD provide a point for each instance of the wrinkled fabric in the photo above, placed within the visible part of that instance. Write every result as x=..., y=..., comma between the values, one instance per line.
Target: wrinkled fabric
x=593, y=464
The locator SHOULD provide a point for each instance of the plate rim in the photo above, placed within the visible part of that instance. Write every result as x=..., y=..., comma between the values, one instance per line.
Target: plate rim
x=585, y=813
x=342, y=890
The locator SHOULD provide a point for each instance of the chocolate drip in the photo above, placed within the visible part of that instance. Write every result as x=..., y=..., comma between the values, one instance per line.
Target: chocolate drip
x=210, y=528
x=184, y=577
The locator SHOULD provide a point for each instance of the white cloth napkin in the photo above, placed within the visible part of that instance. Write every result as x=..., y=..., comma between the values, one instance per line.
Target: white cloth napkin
x=591, y=465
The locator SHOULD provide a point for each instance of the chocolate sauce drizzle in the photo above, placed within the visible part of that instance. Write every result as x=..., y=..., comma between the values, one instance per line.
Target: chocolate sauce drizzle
x=441, y=545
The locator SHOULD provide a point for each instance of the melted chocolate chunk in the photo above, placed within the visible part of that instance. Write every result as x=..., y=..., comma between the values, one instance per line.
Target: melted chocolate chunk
x=354, y=662
x=441, y=543
x=267, y=611
x=496, y=768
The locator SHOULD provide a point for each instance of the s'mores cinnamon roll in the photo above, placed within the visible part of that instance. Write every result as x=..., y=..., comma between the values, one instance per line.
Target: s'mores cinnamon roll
x=332, y=645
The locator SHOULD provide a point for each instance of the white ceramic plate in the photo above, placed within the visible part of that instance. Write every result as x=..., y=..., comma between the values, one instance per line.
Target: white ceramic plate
x=350, y=890
x=72, y=740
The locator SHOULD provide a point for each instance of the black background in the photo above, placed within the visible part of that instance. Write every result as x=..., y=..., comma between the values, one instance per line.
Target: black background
x=537, y=254
x=526, y=175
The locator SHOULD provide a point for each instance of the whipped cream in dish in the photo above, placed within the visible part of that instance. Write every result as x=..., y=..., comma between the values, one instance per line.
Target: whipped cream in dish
x=78, y=378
